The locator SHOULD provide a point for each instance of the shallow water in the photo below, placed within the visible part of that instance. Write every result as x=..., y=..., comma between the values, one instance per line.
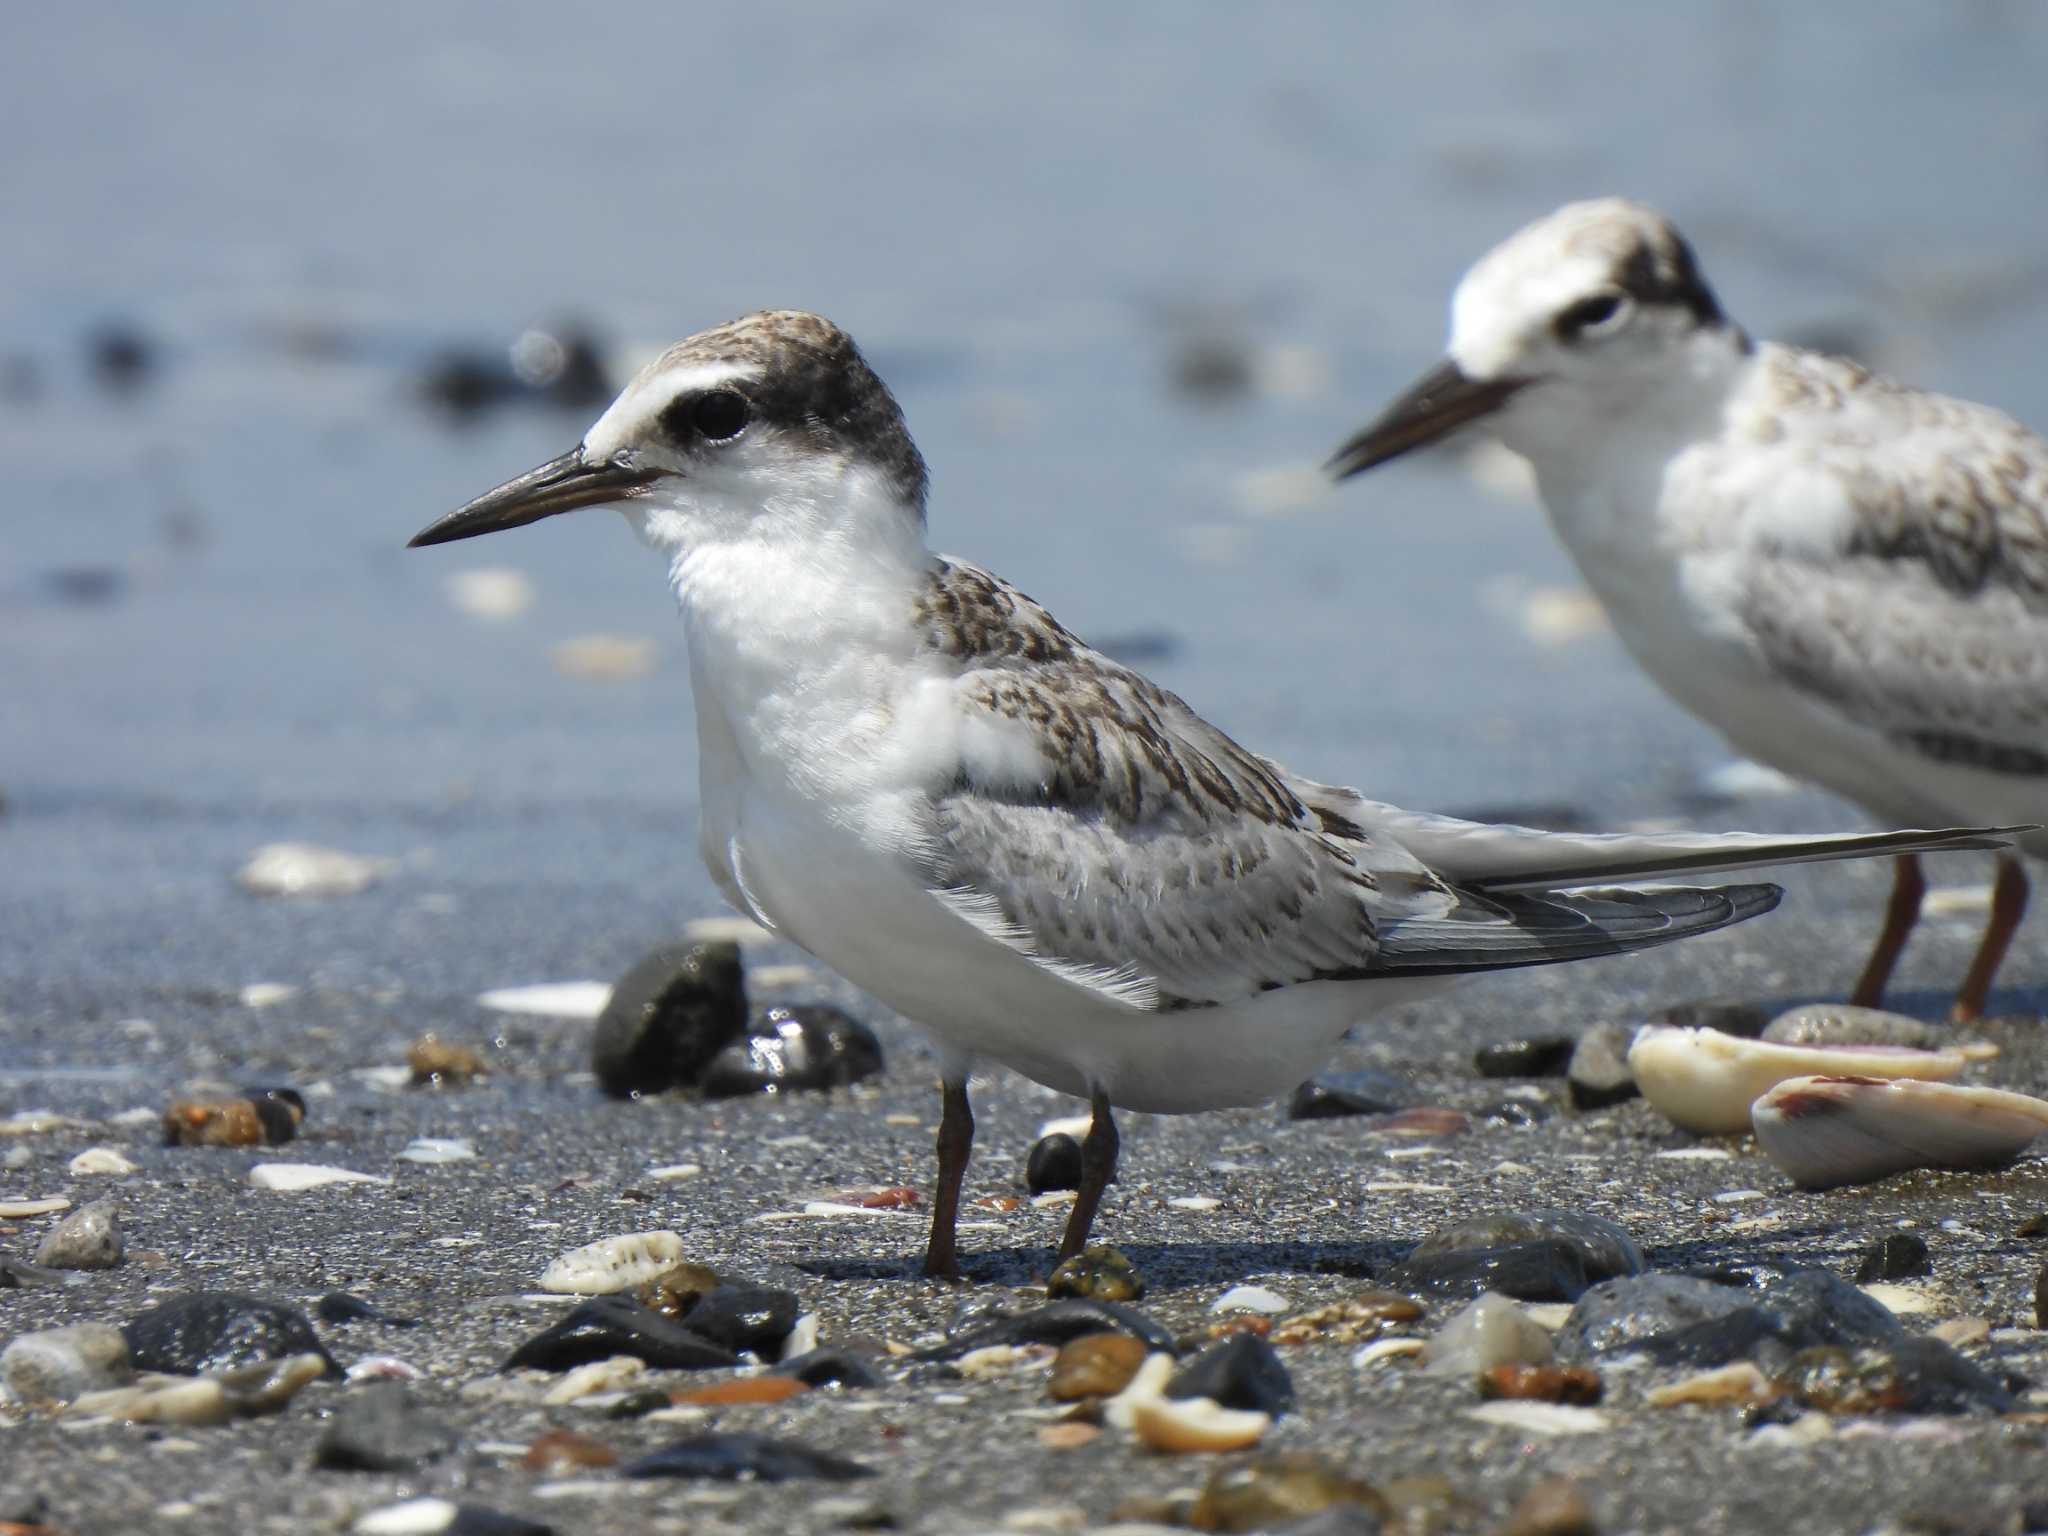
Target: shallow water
x=1025, y=217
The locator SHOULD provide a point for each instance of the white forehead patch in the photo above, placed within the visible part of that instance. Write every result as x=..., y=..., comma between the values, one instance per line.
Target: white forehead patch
x=629, y=420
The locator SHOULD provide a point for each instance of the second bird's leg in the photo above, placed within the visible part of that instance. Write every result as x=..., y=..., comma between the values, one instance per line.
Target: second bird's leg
x=1900, y=914
x=1098, y=1167
x=956, y=1140
x=2008, y=906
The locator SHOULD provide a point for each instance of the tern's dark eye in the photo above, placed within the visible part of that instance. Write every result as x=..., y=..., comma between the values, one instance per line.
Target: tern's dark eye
x=1588, y=315
x=720, y=414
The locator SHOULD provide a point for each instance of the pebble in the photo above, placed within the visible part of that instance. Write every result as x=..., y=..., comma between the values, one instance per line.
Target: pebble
x=808, y=1047
x=669, y=1017
x=435, y=1150
x=1908, y=1374
x=89, y=1238
x=678, y=1288
x=242, y=1391
x=1195, y=1424
x=263, y=1117
x=303, y=869
x=1794, y=1308
x=1844, y=1024
x=19, y=1274
x=561, y=1451
x=1100, y=1273
x=755, y=1457
x=341, y=1307
x=1250, y=1298
x=292, y=1178
x=1346, y=1322
x=1094, y=1365
x=550, y=999
x=1054, y=1163
x=1491, y=1331
x=1331, y=1095
x=1269, y=1492
x=380, y=1428
x=831, y=1367
x=1727, y=1015
x=1618, y=1313
x=1539, y=1255
x=1598, y=1074
x=739, y=1316
x=198, y=1331
x=613, y=1264
x=438, y=1063
x=1542, y=1383
x=59, y=1364
x=100, y=1162
x=443, y=1517
x=1055, y=1323
x=610, y=1326
x=1537, y=1056
x=1557, y=1506
x=1242, y=1372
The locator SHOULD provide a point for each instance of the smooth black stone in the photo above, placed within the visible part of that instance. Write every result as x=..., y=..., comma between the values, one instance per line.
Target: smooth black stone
x=1537, y=1056
x=750, y=1317
x=1538, y=1255
x=829, y=1367
x=1516, y=1112
x=1797, y=1308
x=275, y=1112
x=341, y=1307
x=1599, y=1074
x=201, y=1331
x=668, y=1017
x=1895, y=1256
x=1054, y=1323
x=761, y=1458
x=616, y=1325
x=1333, y=1095
x=1243, y=1371
x=1748, y=1020
x=379, y=1428
x=637, y=1405
x=1620, y=1314
x=477, y=1520
x=806, y=1048
x=1055, y=1163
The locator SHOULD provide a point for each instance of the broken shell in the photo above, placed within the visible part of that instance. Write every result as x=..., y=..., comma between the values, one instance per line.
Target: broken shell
x=1706, y=1081
x=1196, y=1424
x=1825, y=1131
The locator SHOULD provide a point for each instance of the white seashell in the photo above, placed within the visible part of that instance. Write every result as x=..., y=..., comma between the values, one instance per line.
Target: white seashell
x=302, y=869
x=1825, y=1131
x=1182, y=1424
x=613, y=1264
x=1540, y=1418
x=293, y=1177
x=610, y=1375
x=1147, y=1386
x=1387, y=1349
x=415, y=1517
x=438, y=1149
x=1250, y=1298
x=1705, y=1081
x=21, y=1210
x=551, y=999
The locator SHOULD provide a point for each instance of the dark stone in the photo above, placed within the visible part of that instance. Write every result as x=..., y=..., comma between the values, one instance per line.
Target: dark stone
x=1795, y=1308
x=379, y=1428
x=1243, y=1371
x=341, y=1307
x=1054, y=1323
x=738, y=1316
x=1599, y=1074
x=760, y=1458
x=1730, y=1017
x=614, y=1325
x=1537, y=1056
x=794, y=1049
x=477, y=1520
x=85, y=585
x=830, y=1367
x=1516, y=1112
x=200, y=1331
x=1908, y=1374
x=1055, y=1163
x=1894, y=1256
x=668, y=1017
x=1538, y=1255
x=1618, y=1314
x=120, y=356
x=1331, y=1095
x=279, y=1111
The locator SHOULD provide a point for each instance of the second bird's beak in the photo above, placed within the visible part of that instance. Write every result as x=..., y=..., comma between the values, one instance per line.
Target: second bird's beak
x=560, y=485
x=1443, y=400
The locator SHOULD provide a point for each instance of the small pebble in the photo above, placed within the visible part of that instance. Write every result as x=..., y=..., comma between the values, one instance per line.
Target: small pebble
x=100, y=1162
x=677, y=1289
x=1242, y=1372
x=743, y=1390
x=563, y=1451
x=1333, y=1095
x=59, y=1364
x=1269, y=1492
x=606, y=1327
x=806, y=1048
x=439, y=1063
x=1054, y=1323
x=1545, y=1383
x=89, y=1238
x=199, y=1331
x=1095, y=1365
x=1054, y=1163
x=268, y=1118
x=291, y=1178
x=830, y=1367
x=1099, y=1273
x=340, y=1307
x=757, y=1458
x=669, y=1017
x=380, y=1428
x=1539, y=1255
x=1598, y=1074
x=1894, y=1256
x=1842, y=1024
x=302, y=869
x=740, y=1316
x=1491, y=1331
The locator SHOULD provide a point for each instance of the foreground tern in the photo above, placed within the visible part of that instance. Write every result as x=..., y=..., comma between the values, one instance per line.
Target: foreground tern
x=908, y=768
x=1846, y=577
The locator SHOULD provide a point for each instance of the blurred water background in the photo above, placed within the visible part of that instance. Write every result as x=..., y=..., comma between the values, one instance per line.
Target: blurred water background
x=1133, y=271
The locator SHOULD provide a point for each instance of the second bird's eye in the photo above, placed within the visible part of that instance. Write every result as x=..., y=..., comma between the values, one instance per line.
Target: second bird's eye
x=720, y=414
x=1588, y=314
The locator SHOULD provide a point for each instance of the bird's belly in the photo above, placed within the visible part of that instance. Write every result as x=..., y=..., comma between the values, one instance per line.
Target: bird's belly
x=859, y=913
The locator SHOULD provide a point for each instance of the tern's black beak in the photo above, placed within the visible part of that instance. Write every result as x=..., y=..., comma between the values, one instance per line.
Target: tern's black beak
x=560, y=485
x=1443, y=400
